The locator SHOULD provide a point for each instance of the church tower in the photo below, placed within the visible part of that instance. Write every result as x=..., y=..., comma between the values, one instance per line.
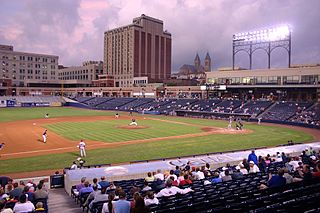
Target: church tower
x=207, y=63
x=197, y=62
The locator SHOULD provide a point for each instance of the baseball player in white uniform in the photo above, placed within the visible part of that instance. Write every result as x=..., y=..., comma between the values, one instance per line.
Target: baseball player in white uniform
x=44, y=136
x=230, y=123
x=82, y=148
x=133, y=122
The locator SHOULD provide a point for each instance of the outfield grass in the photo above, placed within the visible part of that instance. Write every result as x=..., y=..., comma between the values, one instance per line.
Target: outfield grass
x=18, y=113
x=262, y=136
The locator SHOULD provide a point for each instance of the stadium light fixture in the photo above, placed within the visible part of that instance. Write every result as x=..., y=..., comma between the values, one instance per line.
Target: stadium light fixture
x=264, y=35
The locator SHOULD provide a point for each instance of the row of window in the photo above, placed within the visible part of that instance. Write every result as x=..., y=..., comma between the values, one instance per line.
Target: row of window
x=31, y=58
x=294, y=79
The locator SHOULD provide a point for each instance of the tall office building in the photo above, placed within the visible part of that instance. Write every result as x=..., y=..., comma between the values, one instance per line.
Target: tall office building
x=22, y=67
x=141, y=49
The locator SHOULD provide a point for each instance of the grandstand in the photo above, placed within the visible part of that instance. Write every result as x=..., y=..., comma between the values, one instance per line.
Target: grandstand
x=294, y=113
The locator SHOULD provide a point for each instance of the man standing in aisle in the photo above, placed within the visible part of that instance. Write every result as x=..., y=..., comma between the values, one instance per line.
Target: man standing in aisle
x=82, y=148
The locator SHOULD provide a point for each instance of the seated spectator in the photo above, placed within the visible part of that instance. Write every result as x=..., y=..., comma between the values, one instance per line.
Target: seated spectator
x=187, y=167
x=111, y=186
x=140, y=206
x=103, y=183
x=172, y=190
x=150, y=199
x=80, y=185
x=174, y=182
x=243, y=170
x=245, y=164
x=146, y=187
x=253, y=167
x=305, y=173
x=40, y=193
x=172, y=175
x=39, y=208
x=158, y=185
x=199, y=174
x=304, y=157
x=207, y=167
x=226, y=176
x=134, y=189
x=9, y=186
x=181, y=176
x=313, y=161
x=278, y=157
x=23, y=205
x=294, y=162
x=268, y=160
x=91, y=195
x=177, y=171
x=216, y=178
x=237, y=174
x=99, y=196
x=95, y=183
x=185, y=181
x=74, y=165
x=122, y=205
x=277, y=180
x=30, y=194
x=262, y=164
x=107, y=207
x=16, y=192
x=149, y=177
x=317, y=172
x=287, y=176
x=159, y=175
x=6, y=210
x=86, y=189
x=284, y=157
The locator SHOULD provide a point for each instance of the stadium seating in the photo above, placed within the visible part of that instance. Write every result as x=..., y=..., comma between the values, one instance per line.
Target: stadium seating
x=239, y=195
x=281, y=111
x=310, y=116
x=114, y=104
x=135, y=104
x=253, y=107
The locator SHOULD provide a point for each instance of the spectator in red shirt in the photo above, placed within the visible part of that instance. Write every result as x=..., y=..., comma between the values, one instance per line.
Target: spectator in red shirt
x=186, y=180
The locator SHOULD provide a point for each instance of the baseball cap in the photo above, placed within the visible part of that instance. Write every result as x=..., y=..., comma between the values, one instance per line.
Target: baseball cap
x=251, y=162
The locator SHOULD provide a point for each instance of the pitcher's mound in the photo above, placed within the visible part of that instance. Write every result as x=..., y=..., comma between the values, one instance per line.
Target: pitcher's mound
x=132, y=127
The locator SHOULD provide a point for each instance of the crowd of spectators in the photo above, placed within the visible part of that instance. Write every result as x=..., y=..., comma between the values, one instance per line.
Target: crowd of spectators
x=21, y=197
x=159, y=184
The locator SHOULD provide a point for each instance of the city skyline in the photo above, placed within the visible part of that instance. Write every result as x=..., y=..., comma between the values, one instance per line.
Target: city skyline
x=74, y=30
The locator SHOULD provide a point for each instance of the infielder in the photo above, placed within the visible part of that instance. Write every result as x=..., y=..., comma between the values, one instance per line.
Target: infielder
x=259, y=121
x=44, y=136
x=230, y=123
x=1, y=146
x=82, y=148
x=133, y=122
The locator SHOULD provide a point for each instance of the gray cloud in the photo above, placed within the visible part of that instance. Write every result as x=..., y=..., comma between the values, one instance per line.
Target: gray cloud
x=62, y=27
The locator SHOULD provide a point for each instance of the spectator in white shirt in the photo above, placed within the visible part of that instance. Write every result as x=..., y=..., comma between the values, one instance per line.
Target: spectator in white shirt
x=23, y=205
x=199, y=174
x=253, y=167
x=172, y=175
x=243, y=170
x=172, y=190
x=159, y=175
x=150, y=199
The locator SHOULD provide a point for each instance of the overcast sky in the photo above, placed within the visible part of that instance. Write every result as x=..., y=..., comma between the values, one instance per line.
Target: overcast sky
x=73, y=29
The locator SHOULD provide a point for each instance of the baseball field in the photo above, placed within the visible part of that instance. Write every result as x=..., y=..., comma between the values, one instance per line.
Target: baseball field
x=112, y=140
